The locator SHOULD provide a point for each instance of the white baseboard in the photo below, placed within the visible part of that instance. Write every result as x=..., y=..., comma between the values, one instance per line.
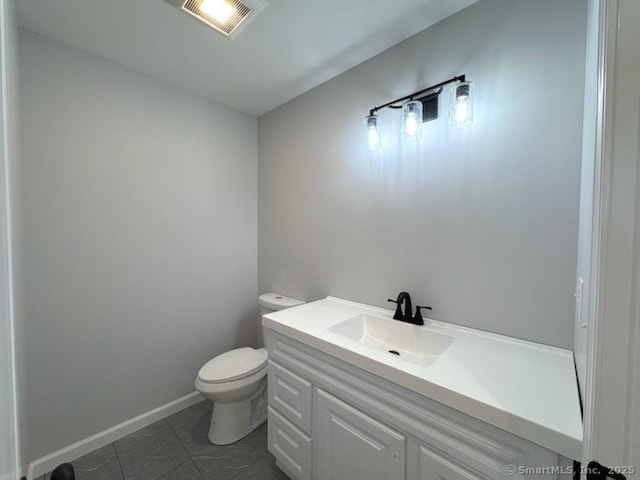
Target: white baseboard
x=47, y=463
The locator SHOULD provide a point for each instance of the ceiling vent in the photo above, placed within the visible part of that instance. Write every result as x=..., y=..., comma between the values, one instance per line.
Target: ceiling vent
x=226, y=16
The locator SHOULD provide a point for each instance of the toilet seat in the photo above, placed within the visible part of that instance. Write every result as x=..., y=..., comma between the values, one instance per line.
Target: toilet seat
x=233, y=365
x=238, y=386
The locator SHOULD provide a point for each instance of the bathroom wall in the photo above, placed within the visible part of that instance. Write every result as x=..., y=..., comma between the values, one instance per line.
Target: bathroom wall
x=479, y=223
x=12, y=413
x=140, y=240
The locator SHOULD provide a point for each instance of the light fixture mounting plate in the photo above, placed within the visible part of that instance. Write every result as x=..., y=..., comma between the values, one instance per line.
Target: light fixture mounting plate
x=430, y=107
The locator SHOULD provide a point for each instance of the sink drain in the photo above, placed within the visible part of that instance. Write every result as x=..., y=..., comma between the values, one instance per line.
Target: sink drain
x=395, y=352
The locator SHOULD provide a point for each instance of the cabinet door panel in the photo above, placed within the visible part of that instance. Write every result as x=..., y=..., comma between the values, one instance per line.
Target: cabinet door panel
x=434, y=467
x=352, y=445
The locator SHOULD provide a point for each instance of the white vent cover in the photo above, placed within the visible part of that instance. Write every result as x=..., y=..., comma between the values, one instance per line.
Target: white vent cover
x=226, y=16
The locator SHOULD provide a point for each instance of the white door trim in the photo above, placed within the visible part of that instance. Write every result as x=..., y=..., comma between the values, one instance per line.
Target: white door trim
x=611, y=413
x=6, y=253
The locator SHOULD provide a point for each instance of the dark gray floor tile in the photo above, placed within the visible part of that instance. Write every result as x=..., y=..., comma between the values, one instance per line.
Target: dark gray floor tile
x=270, y=458
x=178, y=449
x=152, y=462
x=101, y=464
x=213, y=470
x=258, y=439
x=194, y=437
x=191, y=414
x=151, y=452
x=156, y=434
x=186, y=471
x=215, y=462
x=224, y=462
x=262, y=470
x=194, y=433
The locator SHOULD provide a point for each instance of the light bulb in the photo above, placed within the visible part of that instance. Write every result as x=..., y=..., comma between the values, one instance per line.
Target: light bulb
x=462, y=111
x=412, y=119
x=219, y=10
x=372, y=129
x=461, y=114
x=411, y=125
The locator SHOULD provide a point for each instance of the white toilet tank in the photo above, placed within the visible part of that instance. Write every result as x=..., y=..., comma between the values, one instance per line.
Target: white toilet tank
x=272, y=302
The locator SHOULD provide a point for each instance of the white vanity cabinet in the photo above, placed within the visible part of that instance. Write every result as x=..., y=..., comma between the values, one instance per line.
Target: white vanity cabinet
x=329, y=420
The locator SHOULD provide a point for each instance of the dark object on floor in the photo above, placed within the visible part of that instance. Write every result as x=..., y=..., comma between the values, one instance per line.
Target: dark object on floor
x=595, y=471
x=63, y=472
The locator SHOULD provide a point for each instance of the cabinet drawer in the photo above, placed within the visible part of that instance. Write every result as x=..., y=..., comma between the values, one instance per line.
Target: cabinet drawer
x=290, y=395
x=290, y=446
x=432, y=466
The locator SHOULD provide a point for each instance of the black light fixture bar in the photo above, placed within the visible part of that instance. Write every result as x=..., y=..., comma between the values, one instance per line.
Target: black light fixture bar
x=392, y=104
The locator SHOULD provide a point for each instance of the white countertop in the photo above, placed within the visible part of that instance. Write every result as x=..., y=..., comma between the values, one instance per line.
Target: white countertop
x=525, y=388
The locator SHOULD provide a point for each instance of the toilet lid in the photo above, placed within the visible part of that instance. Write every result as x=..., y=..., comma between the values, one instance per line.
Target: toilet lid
x=229, y=366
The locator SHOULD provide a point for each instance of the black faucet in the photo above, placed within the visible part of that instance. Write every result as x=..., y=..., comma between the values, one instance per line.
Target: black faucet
x=404, y=299
x=418, y=320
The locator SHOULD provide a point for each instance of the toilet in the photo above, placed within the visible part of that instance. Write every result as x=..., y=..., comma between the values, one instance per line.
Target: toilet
x=236, y=381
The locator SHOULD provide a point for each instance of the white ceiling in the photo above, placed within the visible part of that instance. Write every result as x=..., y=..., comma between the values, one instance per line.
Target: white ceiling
x=290, y=47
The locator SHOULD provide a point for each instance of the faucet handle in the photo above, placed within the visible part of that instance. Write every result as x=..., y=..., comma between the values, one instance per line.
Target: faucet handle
x=398, y=314
x=418, y=317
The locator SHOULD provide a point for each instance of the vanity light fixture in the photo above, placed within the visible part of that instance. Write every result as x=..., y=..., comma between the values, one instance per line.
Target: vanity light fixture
x=422, y=106
x=461, y=114
x=372, y=125
x=412, y=119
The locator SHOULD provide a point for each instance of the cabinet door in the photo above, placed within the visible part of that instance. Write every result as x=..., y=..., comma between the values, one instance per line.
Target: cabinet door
x=352, y=445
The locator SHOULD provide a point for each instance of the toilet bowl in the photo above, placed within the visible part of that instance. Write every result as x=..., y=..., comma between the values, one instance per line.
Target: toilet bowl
x=236, y=382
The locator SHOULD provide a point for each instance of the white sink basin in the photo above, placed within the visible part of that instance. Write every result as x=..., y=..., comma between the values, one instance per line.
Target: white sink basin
x=409, y=342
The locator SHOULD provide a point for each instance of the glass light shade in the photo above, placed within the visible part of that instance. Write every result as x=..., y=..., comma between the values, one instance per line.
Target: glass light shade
x=461, y=114
x=372, y=132
x=412, y=119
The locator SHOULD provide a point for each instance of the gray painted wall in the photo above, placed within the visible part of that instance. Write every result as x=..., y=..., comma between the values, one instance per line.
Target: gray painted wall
x=480, y=223
x=140, y=240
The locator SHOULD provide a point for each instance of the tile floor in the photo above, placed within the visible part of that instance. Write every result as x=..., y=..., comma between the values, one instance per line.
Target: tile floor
x=177, y=448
